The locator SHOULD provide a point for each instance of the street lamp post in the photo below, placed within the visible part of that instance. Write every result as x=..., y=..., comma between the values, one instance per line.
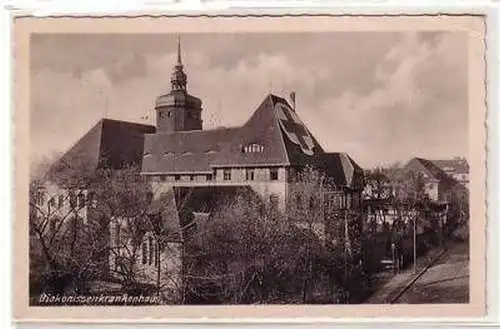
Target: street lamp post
x=415, y=244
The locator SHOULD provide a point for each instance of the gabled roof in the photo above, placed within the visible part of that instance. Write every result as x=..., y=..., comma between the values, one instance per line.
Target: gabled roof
x=427, y=168
x=200, y=151
x=458, y=166
x=109, y=143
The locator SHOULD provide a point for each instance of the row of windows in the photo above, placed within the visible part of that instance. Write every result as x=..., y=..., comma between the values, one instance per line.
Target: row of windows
x=164, y=178
x=75, y=200
x=250, y=174
x=150, y=252
x=191, y=115
x=253, y=148
x=226, y=175
x=332, y=201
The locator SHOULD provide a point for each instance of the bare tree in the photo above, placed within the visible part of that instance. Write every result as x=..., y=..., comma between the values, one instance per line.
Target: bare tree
x=250, y=252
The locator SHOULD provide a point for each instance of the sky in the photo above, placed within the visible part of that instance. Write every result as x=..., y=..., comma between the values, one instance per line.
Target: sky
x=382, y=97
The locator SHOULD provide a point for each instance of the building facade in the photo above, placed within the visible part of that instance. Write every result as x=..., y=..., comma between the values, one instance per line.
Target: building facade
x=457, y=168
x=191, y=166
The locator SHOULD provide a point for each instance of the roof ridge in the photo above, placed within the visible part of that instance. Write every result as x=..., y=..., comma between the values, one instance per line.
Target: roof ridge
x=102, y=120
x=197, y=131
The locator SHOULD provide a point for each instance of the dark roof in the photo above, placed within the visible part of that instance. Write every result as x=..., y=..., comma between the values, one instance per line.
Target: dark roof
x=109, y=143
x=459, y=166
x=199, y=151
x=342, y=170
x=427, y=168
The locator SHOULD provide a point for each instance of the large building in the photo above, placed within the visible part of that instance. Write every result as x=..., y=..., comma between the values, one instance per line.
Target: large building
x=199, y=167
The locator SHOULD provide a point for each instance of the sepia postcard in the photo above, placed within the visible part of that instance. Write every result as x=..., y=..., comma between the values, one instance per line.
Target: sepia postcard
x=218, y=167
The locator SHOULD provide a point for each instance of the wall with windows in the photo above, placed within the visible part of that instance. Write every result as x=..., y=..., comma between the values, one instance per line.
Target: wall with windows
x=148, y=259
x=55, y=203
x=270, y=182
x=432, y=190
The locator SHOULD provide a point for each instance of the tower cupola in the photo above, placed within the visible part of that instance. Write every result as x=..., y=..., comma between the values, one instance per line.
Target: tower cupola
x=177, y=110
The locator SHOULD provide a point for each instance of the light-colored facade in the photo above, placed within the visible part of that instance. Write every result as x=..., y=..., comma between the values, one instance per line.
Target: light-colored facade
x=54, y=204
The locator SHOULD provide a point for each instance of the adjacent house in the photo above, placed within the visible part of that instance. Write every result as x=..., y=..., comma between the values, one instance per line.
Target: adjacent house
x=438, y=185
x=457, y=168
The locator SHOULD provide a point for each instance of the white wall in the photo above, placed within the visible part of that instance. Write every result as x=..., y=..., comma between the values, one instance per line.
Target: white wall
x=52, y=210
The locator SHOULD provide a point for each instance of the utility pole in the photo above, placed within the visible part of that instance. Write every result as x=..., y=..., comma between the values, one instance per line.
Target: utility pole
x=345, y=253
x=415, y=244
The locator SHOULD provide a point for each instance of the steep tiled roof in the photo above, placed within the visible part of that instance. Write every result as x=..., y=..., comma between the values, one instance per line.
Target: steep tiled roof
x=458, y=166
x=342, y=169
x=187, y=151
x=109, y=143
x=199, y=151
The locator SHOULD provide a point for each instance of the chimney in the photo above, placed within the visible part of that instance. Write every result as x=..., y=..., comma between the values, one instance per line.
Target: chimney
x=292, y=100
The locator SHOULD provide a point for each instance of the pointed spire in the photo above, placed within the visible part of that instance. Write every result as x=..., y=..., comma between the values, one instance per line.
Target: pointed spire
x=179, y=59
x=179, y=78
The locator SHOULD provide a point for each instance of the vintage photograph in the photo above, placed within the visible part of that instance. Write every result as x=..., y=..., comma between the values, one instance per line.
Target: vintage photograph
x=250, y=168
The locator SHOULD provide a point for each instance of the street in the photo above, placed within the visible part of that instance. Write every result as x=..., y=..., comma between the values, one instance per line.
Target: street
x=447, y=281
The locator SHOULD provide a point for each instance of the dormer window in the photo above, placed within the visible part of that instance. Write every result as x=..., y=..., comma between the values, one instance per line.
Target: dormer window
x=253, y=148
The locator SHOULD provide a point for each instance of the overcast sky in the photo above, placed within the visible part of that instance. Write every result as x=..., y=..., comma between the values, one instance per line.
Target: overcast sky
x=382, y=97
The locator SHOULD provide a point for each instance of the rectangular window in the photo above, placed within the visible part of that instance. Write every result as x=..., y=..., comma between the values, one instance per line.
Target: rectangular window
x=191, y=177
x=177, y=177
x=52, y=203
x=60, y=201
x=81, y=200
x=209, y=176
x=227, y=174
x=273, y=173
x=72, y=200
x=250, y=174
x=163, y=178
x=40, y=198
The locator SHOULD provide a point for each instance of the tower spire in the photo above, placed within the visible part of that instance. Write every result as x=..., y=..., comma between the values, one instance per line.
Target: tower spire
x=179, y=78
x=179, y=58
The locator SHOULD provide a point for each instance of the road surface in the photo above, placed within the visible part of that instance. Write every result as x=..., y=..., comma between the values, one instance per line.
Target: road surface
x=447, y=281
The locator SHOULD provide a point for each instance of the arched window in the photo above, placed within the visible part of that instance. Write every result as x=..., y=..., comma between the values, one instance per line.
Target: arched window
x=144, y=253
x=157, y=255
x=60, y=201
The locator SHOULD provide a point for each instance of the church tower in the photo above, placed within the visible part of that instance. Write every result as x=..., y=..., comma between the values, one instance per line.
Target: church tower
x=177, y=110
